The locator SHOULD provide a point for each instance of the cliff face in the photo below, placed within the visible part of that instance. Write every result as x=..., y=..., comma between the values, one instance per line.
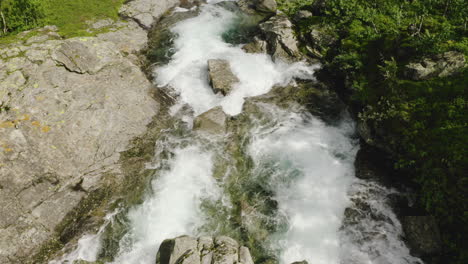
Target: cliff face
x=68, y=108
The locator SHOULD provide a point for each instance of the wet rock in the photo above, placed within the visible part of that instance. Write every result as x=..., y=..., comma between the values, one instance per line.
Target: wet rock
x=146, y=12
x=282, y=42
x=180, y=250
x=300, y=262
x=188, y=250
x=221, y=77
x=442, y=65
x=266, y=6
x=256, y=46
x=212, y=121
x=422, y=235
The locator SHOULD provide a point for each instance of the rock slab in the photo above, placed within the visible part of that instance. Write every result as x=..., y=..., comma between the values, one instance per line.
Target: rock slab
x=220, y=75
x=213, y=121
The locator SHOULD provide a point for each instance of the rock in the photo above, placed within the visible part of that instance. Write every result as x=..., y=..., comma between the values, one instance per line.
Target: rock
x=181, y=250
x=146, y=12
x=221, y=77
x=188, y=250
x=300, y=262
x=442, y=65
x=86, y=55
x=266, y=6
x=280, y=37
x=212, y=121
x=226, y=250
x=74, y=106
x=319, y=40
x=301, y=15
x=244, y=256
x=422, y=235
x=256, y=46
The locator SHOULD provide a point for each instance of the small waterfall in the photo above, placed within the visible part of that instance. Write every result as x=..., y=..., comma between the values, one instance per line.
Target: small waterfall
x=305, y=165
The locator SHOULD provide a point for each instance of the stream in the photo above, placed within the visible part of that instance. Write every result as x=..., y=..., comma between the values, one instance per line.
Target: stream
x=288, y=173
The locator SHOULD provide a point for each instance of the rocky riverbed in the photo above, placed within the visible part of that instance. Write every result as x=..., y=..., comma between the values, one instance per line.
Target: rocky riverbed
x=84, y=130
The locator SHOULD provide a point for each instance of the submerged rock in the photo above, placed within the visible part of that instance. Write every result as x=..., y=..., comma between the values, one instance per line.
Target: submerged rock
x=442, y=65
x=212, y=121
x=221, y=77
x=204, y=250
x=282, y=42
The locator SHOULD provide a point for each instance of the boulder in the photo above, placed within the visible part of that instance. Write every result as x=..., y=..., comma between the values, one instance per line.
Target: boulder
x=256, y=46
x=442, y=65
x=221, y=77
x=301, y=15
x=319, y=40
x=212, y=121
x=266, y=6
x=205, y=250
x=300, y=262
x=279, y=35
x=146, y=12
x=422, y=235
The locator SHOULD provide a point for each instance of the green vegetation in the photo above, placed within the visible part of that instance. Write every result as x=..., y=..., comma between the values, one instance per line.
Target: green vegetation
x=422, y=124
x=71, y=16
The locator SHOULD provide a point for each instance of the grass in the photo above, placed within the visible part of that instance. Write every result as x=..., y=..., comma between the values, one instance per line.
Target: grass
x=71, y=16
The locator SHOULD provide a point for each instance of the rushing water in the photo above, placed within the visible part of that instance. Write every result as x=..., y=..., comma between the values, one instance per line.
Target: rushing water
x=308, y=164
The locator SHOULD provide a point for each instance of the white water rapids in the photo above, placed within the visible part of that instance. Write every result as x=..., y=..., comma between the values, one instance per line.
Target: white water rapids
x=310, y=163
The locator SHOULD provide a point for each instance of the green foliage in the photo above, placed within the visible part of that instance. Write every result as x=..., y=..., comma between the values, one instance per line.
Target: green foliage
x=71, y=16
x=424, y=123
x=19, y=15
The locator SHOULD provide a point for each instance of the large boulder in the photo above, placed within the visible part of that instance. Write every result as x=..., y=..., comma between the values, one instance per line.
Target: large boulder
x=422, y=235
x=221, y=77
x=68, y=108
x=442, y=65
x=212, y=121
x=204, y=250
x=146, y=12
x=256, y=46
x=282, y=42
x=266, y=6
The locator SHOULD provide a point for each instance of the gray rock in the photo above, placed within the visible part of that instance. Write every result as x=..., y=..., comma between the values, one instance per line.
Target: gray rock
x=301, y=15
x=86, y=55
x=146, y=12
x=282, y=42
x=212, y=121
x=188, y=250
x=319, y=40
x=442, y=65
x=244, y=256
x=221, y=77
x=64, y=128
x=180, y=250
x=226, y=250
x=256, y=46
x=422, y=235
x=266, y=6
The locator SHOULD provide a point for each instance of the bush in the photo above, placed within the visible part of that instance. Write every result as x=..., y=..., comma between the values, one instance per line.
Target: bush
x=18, y=15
